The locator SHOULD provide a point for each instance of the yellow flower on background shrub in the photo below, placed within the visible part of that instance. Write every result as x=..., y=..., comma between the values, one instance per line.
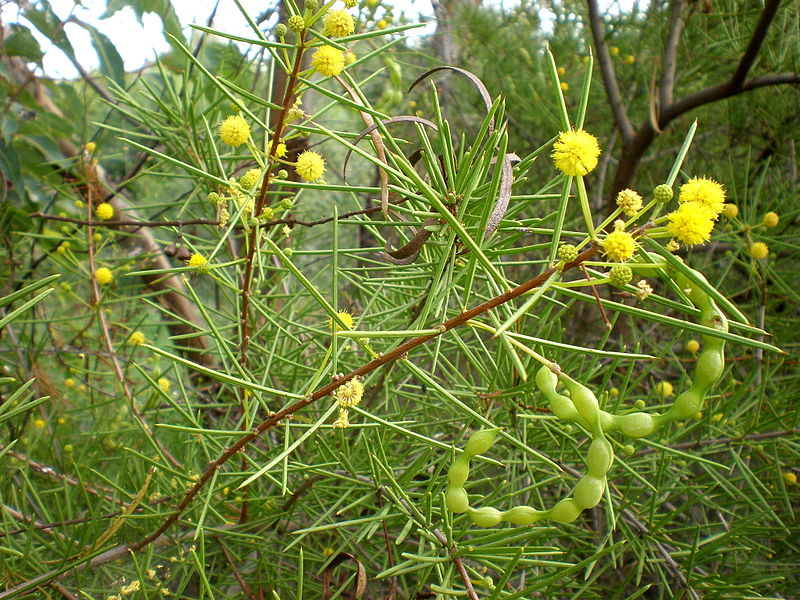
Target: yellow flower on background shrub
x=771, y=219
x=310, y=165
x=103, y=275
x=338, y=23
x=328, y=61
x=704, y=191
x=575, y=153
x=104, y=211
x=692, y=223
x=759, y=250
x=346, y=318
x=136, y=339
x=234, y=130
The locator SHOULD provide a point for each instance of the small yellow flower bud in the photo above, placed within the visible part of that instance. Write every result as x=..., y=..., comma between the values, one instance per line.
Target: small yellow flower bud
x=771, y=219
x=759, y=250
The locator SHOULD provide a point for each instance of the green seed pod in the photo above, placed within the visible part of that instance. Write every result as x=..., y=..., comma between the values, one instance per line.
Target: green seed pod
x=280, y=30
x=583, y=399
x=600, y=457
x=479, y=442
x=709, y=368
x=636, y=424
x=663, y=193
x=565, y=511
x=524, y=515
x=567, y=253
x=456, y=499
x=486, y=516
x=563, y=408
x=687, y=404
x=588, y=491
x=458, y=473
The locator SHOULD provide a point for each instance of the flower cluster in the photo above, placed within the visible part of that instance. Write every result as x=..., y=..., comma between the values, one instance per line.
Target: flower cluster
x=310, y=165
x=692, y=223
x=104, y=211
x=619, y=245
x=705, y=192
x=328, y=61
x=338, y=23
x=234, y=130
x=629, y=201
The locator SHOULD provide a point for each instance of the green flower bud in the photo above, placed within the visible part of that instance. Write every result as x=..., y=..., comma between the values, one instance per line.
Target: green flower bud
x=567, y=253
x=282, y=174
x=280, y=30
x=639, y=404
x=213, y=197
x=287, y=203
x=628, y=450
x=663, y=193
x=620, y=275
x=297, y=23
x=288, y=252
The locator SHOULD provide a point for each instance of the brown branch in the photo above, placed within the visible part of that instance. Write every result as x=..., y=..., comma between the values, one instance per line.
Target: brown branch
x=756, y=41
x=607, y=71
x=767, y=435
x=670, y=59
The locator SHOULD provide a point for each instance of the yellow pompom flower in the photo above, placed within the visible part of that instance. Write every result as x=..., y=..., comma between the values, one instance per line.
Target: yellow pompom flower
x=164, y=384
x=382, y=24
x=328, y=61
x=630, y=59
x=136, y=339
x=619, y=245
x=564, y=86
x=703, y=191
x=692, y=223
x=280, y=149
x=630, y=202
x=39, y=423
x=104, y=211
x=759, y=250
x=346, y=318
x=575, y=152
x=234, y=130
x=692, y=346
x=771, y=219
x=103, y=275
x=614, y=51
x=342, y=421
x=199, y=262
x=69, y=382
x=730, y=210
x=310, y=165
x=90, y=147
x=664, y=389
x=790, y=478
x=350, y=393
x=338, y=23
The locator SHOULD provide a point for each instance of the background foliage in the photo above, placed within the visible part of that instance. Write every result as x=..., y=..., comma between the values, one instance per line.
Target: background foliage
x=101, y=438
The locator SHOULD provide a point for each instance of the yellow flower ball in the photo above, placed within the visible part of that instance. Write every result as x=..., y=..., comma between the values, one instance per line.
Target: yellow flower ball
x=338, y=23
x=328, y=61
x=771, y=219
x=350, y=393
x=614, y=51
x=692, y=346
x=575, y=153
x=69, y=382
x=619, y=245
x=731, y=211
x=564, y=86
x=103, y=275
x=790, y=478
x=630, y=59
x=137, y=338
x=234, y=130
x=199, y=262
x=704, y=191
x=164, y=384
x=561, y=71
x=759, y=250
x=104, y=211
x=346, y=318
x=39, y=423
x=342, y=421
x=280, y=149
x=692, y=223
x=664, y=389
x=382, y=24
x=630, y=202
x=310, y=165
x=90, y=147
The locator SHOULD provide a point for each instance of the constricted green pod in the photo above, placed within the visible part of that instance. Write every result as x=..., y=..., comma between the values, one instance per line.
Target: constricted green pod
x=565, y=511
x=524, y=515
x=589, y=491
x=600, y=457
x=456, y=499
x=480, y=441
x=635, y=425
x=458, y=473
x=486, y=516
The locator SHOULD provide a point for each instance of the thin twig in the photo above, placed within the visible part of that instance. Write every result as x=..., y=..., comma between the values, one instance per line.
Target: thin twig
x=670, y=60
